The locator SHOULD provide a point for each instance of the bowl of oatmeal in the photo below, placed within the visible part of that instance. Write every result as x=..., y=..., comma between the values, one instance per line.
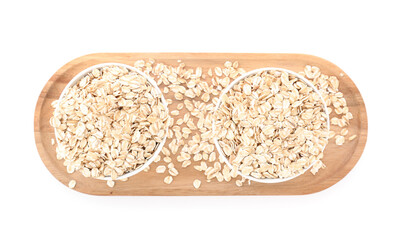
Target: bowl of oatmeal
x=110, y=122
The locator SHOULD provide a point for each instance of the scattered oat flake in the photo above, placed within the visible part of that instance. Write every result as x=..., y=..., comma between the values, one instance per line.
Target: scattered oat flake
x=210, y=72
x=167, y=159
x=180, y=106
x=110, y=183
x=352, y=137
x=218, y=71
x=340, y=140
x=173, y=172
x=161, y=169
x=168, y=180
x=72, y=184
x=238, y=183
x=197, y=183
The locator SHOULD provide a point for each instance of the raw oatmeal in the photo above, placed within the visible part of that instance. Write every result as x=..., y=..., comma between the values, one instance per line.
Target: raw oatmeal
x=272, y=125
x=100, y=146
x=109, y=123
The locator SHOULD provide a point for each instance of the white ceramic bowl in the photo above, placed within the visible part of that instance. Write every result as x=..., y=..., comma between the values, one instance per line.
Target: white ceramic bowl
x=216, y=142
x=82, y=74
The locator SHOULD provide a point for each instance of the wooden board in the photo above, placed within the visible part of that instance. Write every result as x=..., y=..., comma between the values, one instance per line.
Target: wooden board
x=338, y=159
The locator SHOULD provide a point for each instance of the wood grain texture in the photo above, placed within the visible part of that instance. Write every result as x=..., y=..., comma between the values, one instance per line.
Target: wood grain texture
x=338, y=159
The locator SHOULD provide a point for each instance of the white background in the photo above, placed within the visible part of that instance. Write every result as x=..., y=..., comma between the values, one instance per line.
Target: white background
x=38, y=37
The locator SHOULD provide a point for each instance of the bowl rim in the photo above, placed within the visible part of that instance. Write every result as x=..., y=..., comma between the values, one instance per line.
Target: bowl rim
x=83, y=73
x=242, y=77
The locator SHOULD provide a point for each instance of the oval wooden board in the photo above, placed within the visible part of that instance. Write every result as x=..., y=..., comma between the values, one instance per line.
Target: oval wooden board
x=338, y=159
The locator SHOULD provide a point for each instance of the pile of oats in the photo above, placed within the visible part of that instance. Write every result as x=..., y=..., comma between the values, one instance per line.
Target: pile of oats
x=190, y=143
x=192, y=101
x=271, y=125
x=328, y=88
x=109, y=123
